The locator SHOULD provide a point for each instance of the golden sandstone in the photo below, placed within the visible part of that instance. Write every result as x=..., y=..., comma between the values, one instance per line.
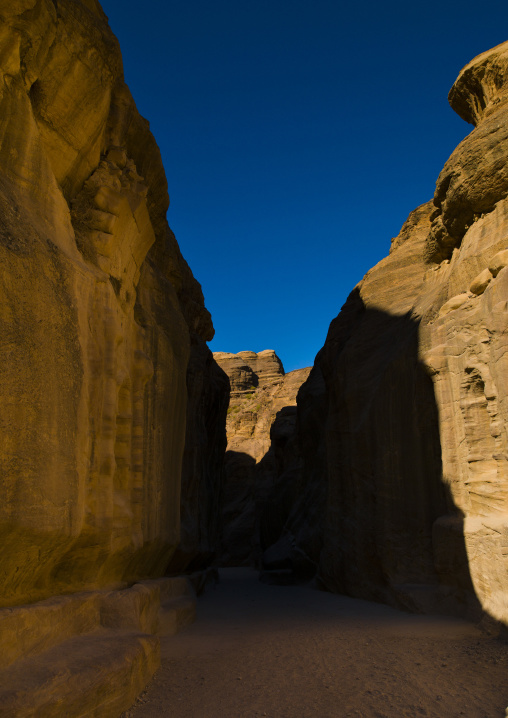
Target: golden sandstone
x=99, y=317
x=113, y=410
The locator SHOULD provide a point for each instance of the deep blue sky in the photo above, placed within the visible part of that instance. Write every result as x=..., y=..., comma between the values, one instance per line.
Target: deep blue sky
x=297, y=135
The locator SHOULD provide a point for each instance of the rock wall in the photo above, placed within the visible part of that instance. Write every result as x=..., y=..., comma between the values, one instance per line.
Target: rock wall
x=203, y=462
x=262, y=461
x=99, y=317
x=410, y=444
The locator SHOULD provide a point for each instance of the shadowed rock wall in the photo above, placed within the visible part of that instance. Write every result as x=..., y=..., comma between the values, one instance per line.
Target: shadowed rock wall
x=411, y=445
x=203, y=462
x=99, y=317
x=262, y=461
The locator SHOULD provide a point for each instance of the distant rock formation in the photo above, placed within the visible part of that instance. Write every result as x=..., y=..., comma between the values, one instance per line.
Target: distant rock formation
x=261, y=450
x=105, y=373
x=404, y=415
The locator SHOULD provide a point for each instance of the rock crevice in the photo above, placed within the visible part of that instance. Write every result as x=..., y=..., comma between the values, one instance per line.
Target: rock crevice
x=261, y=450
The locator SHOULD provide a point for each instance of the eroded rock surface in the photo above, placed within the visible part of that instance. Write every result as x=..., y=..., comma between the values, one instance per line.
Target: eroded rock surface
x=410, y=445
x=203, y=462
x=89, y=653
x=261, y=449
x=99, y=317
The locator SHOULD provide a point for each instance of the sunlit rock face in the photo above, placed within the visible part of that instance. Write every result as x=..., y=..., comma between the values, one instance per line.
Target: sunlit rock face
x=262, y=461
x=411, y=443
x=99, y=316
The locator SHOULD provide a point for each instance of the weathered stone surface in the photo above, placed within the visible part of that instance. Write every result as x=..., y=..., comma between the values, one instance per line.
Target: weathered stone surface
x=475, y=178
x=481, y=282
x=260, y=428
x=99, y=315
x=416, y=223
x=498, y=262
x=83, y=677
x=454, y=303
x=410, y=444
x=203, y=462
x=103, y=654
x=247, y=370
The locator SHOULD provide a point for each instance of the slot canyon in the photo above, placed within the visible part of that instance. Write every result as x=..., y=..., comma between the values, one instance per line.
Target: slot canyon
x=202, y=534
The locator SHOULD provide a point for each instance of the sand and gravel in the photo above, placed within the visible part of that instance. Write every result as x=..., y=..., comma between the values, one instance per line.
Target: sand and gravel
x=295, y=652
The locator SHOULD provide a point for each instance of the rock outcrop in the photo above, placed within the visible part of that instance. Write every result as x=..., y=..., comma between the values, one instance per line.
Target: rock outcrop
x=261, y=453
x=406, y=408
x=104, y=364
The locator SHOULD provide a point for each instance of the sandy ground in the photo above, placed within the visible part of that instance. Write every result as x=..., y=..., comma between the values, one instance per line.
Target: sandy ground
x=294, y=652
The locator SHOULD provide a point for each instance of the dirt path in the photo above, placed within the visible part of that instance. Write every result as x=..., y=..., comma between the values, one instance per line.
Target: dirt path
x=293, y=652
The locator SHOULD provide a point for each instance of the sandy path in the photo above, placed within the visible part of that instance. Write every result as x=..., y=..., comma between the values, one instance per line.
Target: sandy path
x=293, y=652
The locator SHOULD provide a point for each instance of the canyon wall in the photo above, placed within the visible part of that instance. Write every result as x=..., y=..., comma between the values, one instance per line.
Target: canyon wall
x=103, y=357
x=403, y=418
x=203, y=462
x=262, y=461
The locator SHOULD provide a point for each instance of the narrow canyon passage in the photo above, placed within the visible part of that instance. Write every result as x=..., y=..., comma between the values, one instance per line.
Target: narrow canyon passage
x=295, y=652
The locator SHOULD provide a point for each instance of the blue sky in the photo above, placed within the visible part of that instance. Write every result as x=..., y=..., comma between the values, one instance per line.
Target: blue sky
x=297, y=135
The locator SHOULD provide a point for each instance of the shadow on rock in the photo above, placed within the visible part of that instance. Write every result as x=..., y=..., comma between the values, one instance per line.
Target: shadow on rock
x=391, y=531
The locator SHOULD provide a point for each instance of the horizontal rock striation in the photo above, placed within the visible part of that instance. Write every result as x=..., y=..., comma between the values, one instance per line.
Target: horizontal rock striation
x=405, y=411
x=248, y=370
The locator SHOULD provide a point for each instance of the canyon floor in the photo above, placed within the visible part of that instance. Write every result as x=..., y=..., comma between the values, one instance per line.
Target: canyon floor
x=295, y=652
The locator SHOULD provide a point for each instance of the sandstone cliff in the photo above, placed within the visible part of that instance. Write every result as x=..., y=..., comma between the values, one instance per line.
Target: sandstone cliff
x=113, y=409
x=104, y=365
x=261, y=459
x=410, y=444
x=203, y=462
